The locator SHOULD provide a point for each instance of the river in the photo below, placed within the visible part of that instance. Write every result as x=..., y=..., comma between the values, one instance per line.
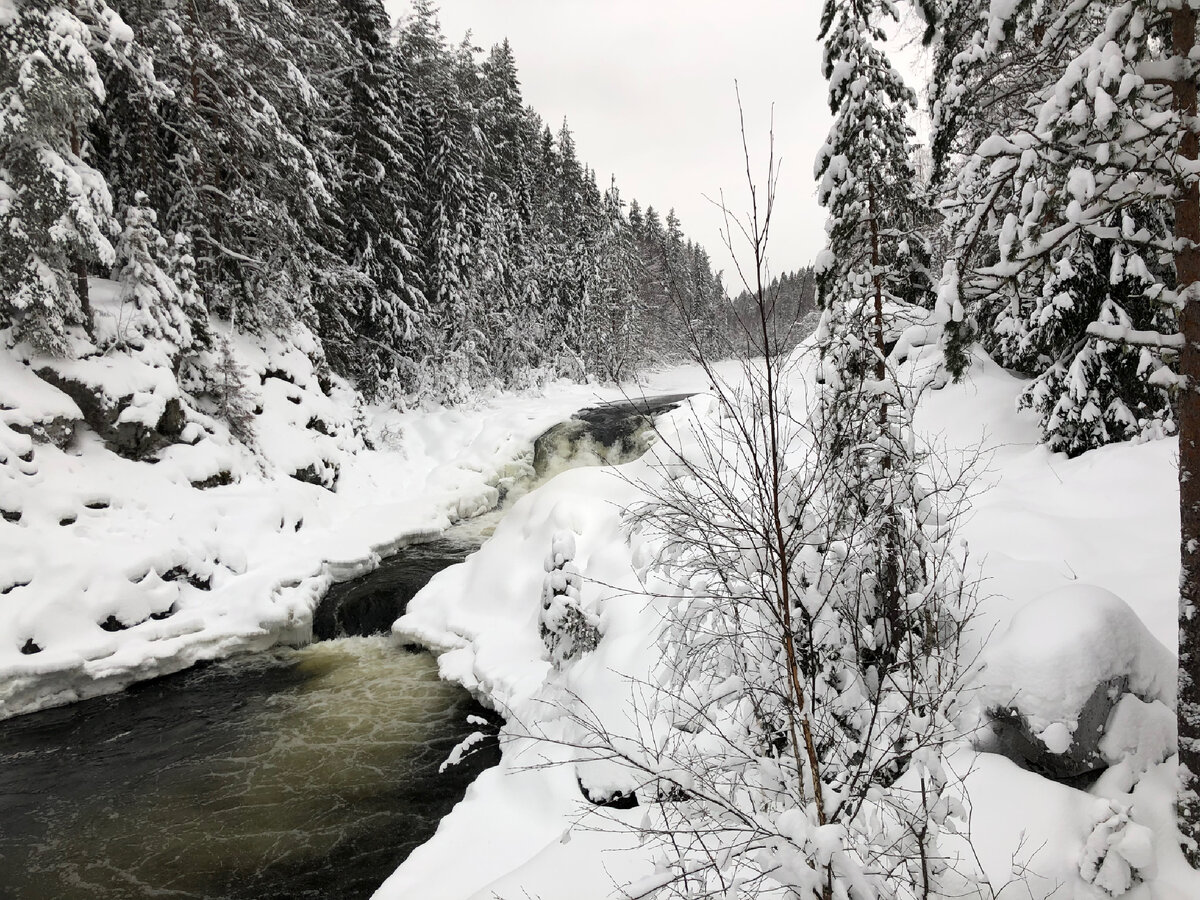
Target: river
x=305, y=772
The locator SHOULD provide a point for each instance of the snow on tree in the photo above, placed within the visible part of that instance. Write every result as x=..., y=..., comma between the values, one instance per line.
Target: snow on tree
x=376, y=201
x=55, y=208
x=181, y=270
x=145, y=285
x=1108, y=169
x=1046, y=300
x=885, y=580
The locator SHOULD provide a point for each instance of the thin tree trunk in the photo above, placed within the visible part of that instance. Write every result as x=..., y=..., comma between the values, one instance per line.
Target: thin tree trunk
x=877, y=281
x=81, y=270
x=1187, y=274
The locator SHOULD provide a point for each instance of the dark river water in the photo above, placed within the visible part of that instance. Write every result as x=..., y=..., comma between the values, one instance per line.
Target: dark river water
x=301, y=773
x=298, y=773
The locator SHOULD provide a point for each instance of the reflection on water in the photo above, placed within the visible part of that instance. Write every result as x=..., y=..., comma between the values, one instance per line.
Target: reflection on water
x=307, y=773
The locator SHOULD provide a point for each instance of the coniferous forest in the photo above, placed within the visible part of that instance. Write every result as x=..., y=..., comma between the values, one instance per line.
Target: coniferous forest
x=272, y=163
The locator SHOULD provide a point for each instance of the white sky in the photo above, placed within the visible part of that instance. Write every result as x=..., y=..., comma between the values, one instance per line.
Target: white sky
x=647, y=87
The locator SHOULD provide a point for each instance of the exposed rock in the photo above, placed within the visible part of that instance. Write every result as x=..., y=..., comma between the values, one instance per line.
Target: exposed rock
x=32, y=406
x=133, y=440
x=220, y=479
x=179, y=573
x=59, y=431
x=611, y=800
x=1054, y=681
x=324, y=475
x=112, y=623
x=278, y=373
x=1046, y=753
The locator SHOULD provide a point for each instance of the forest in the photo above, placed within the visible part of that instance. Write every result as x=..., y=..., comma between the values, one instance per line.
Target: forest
x=269, y=164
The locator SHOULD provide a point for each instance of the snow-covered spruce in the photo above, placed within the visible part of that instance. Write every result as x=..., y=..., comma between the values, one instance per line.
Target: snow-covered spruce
x=566, y=628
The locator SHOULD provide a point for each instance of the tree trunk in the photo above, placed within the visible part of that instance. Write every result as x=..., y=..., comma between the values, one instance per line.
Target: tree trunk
x=81, y=270
x=1187, y=274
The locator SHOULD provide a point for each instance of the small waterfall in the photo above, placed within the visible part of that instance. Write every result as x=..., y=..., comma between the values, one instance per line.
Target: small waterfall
x=606, y=435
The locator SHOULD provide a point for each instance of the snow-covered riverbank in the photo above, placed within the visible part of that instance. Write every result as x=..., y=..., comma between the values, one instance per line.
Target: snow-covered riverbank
x=114, y=569
x=1041, y=522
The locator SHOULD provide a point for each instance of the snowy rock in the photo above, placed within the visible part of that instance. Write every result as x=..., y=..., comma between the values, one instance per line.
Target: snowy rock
x=31, y=406
x=132, y=425
x=1071, y=683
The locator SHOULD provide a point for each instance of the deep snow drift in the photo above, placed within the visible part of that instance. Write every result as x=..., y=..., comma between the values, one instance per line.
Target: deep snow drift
x=1079, y=561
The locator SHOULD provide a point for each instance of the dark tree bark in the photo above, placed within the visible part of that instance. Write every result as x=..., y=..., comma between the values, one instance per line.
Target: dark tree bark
x=81, y=269
x=1187, y=273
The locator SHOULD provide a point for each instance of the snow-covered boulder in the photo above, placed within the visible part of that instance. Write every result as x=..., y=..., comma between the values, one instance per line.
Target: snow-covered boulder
x=133, y=423
x=31, y=406
x=1078, y=683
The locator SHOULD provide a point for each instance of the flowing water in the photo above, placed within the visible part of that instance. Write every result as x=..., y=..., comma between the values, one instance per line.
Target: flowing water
x=298, y=773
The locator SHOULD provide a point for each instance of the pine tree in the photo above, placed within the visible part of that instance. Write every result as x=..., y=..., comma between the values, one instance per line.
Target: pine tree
x=146, y=288
x=614, y=342
x=987, y=78
x=450, y=213
x=55, y=208
x=181, y=270
x=247, y=164
x=377, y=201
x=866, y=181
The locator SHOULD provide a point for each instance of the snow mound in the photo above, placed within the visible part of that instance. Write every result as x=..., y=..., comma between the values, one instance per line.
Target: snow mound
x=1061, y=647
x=27, y=403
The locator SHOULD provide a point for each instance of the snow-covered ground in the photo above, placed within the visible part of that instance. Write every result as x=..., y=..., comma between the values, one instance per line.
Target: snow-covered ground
x=114, y=570
x=1079, y=559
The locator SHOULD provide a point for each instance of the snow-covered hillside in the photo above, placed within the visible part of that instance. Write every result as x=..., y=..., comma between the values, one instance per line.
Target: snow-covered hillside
x=1079, y=561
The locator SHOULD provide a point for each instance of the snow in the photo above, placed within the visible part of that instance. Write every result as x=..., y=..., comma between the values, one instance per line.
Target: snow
x=1059, y=648
x=92, y=541
x=26, y=400
x=1079, y=561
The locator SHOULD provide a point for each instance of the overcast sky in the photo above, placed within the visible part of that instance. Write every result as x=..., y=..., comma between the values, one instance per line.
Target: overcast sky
x=647, y=87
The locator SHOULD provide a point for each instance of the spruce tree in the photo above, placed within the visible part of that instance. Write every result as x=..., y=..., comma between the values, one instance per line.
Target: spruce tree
x=146, y=288
x=55, y=208
x=868, y=467
x=377, y=202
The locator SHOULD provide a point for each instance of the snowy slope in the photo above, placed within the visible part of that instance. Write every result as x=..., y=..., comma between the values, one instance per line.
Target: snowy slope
x=1101, y=525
